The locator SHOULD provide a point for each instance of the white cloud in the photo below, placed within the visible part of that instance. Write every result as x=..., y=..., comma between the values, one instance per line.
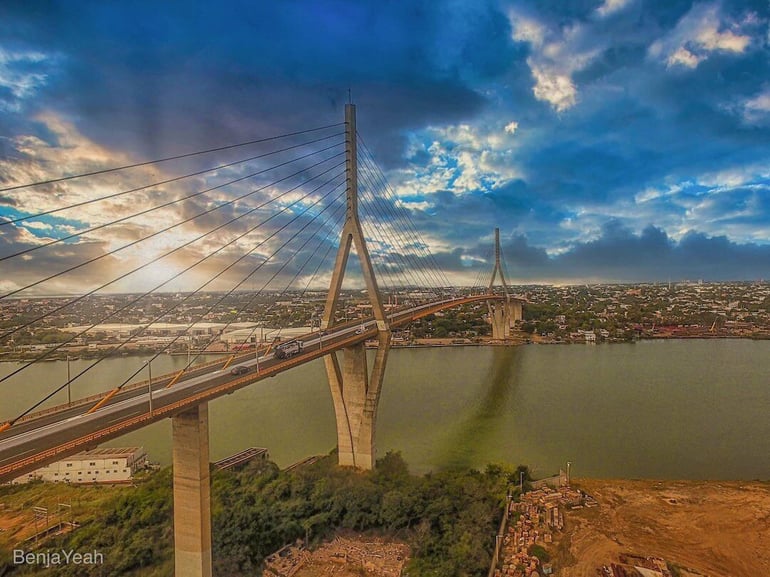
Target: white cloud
x=757, y=109
x=700, y=32
x=683, y=57
x=612, y=6
x=511, y=127
x=525, y=29
x=556, y=55
x=556, y=89
x=461, y=158
x=38, y=225
x=16, y=77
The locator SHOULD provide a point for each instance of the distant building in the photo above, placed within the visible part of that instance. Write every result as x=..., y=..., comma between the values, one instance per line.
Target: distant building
x=107, y=465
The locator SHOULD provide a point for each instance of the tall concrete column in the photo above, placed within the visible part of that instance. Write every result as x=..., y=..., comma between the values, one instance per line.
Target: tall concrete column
x=192, y=493
x=356, y=396
x=515, y=312
x=501, y=314
x=355, y=393
x=500, y=319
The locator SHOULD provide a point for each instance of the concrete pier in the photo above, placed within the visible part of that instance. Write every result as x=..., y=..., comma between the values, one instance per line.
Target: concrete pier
x=356, y=396
x=192, y=493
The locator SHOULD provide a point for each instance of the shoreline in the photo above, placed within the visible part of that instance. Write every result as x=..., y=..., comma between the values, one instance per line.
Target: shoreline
x=444, y=342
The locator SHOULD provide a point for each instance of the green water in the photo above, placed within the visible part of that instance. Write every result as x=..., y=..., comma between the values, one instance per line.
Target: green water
x=665, y=409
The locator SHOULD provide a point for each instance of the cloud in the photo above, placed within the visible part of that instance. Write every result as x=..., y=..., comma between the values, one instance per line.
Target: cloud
x=557, y=89
x=619, y=255
x=551, y=119
x=557, y=53
x=22, y=74
x=701, y=32
x=609, y=7
x=756, y=110
x=458, y=158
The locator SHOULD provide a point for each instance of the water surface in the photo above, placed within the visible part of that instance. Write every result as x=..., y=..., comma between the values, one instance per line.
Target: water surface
x=695, y=409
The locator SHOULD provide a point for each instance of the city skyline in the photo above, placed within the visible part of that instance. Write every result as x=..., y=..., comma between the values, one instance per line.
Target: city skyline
x=614, y=141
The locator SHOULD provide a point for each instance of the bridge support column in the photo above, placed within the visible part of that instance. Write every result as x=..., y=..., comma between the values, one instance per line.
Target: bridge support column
x=356, y=396
x=503, y=315
x=499, y=315
x=192, y=493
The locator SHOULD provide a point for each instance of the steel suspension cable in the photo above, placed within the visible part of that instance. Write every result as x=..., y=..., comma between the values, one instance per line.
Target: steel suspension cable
x=186, y=244
x=387, y=229
x=232, y=290
x=339, y=219
x=405, y=257
x=409, y=224
x=177, y=275
x=285, y=264
x=164, y=230
x=394, y=219
x=387, y=233
x=177, y=157
x=164, y=313
x=170, y=203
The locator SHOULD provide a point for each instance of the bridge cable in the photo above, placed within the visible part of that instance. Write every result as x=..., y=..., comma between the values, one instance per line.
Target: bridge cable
x=297, y=251
x=386, y=231
x=164, y=313
x=177, y=275
x=411, y=230
x=406, y=261
x=177, y=157
x=232, y=290
x=250, y=211
x=166, y=229
x=339, y=214
x=427, y=274
x=164, y=205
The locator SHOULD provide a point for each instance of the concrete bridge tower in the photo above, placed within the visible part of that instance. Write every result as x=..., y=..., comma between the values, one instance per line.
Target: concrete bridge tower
x=502, y=314
x=355, y=393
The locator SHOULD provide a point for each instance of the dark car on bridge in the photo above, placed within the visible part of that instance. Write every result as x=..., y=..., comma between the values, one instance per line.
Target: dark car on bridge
x=239, y=370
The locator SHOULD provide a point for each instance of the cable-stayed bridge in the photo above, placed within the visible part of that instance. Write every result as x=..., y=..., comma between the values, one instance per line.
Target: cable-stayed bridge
x=270, y=220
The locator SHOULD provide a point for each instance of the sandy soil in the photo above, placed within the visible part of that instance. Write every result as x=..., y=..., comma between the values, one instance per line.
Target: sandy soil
x=351, y=556
x=719, y=529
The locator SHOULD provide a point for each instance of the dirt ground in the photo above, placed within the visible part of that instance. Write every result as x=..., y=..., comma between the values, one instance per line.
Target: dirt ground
x=718, y=529
x=350, y=556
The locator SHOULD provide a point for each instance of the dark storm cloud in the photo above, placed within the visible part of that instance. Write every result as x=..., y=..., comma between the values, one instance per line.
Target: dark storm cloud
x=619, y=255
x=145, y=78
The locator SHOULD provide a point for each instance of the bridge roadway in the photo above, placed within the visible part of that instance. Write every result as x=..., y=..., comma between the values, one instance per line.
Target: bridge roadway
x=52, y=436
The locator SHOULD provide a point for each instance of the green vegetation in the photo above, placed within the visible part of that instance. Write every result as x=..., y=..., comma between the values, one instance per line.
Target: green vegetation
x=448, y=518
x=539, y=552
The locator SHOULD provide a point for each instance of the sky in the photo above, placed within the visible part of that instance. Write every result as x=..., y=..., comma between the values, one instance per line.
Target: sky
x=609, y=140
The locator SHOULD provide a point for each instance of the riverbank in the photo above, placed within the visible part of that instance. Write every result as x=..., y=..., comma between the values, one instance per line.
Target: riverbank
x=714, y=528
x=706, y=528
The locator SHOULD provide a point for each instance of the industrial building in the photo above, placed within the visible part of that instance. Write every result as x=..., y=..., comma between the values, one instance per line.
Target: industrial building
x=106, y=465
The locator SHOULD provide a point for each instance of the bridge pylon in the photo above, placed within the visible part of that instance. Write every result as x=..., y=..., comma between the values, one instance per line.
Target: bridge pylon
x=505, y=313
x=354, y=391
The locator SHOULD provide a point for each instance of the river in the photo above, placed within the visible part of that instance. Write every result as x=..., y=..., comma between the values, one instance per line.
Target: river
x=689, y=409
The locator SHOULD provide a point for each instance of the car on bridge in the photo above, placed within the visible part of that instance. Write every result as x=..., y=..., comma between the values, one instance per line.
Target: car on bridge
x=239, y=370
